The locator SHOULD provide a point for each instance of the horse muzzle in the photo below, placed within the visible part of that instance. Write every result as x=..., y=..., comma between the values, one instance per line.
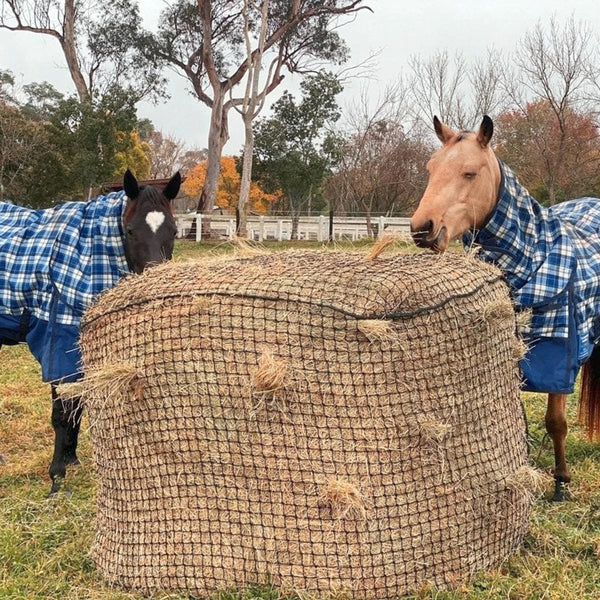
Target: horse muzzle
x=424, y=236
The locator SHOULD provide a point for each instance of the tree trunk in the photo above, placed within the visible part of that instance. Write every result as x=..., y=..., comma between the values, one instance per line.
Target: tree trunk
x=295, y=214
x=368, y=207
x=218, y=136
x=69, y=46
x=551, y=194
x=246, y=179
x=249, y=110
x=295, y=222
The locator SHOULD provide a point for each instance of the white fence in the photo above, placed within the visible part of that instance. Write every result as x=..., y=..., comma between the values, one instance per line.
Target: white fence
x=280, y=228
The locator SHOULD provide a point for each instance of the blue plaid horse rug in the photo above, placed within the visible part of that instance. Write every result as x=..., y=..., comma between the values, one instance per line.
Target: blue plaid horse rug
x=551, y=259
x=53, y=264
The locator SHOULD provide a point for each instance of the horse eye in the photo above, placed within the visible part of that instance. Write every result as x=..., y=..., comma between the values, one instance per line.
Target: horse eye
x=130, y=232
x=469, y=175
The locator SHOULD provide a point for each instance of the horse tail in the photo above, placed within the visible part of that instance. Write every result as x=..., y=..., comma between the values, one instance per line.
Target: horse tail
x=589, y=399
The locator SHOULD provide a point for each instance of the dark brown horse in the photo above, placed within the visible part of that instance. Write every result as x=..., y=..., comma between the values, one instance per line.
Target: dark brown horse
x=55, y=262
x=550, y=257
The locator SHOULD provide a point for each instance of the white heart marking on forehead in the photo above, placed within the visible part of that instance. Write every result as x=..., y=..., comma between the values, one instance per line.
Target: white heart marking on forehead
x=155, y=219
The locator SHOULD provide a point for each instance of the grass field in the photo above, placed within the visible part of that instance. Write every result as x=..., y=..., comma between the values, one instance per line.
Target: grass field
x=44, y=542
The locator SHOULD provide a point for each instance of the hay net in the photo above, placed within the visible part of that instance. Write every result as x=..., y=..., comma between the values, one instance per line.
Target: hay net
x=318, y=421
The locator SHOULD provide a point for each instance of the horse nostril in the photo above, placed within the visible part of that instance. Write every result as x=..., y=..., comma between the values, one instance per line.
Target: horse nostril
x=421, y=232
x=425, y=229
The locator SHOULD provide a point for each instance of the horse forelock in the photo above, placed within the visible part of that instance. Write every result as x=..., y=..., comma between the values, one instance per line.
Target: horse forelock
x=149, y=199
x=449, y=149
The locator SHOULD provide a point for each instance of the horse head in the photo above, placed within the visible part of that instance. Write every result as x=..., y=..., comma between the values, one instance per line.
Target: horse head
x=149, y=224
x=464, y=177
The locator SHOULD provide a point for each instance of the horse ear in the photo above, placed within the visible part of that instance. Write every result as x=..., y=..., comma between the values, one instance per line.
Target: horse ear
x=443, y=132
x=130, y=185
x=172, y=188
x=486, y=130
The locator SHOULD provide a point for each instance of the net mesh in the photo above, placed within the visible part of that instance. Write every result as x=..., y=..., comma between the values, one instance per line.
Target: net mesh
x=319, y=421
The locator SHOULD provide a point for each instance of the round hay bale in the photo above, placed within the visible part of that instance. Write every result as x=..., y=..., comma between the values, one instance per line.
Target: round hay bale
x=325, y=423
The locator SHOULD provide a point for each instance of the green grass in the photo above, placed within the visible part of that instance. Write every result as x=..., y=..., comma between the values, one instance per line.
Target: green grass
x=44, y=542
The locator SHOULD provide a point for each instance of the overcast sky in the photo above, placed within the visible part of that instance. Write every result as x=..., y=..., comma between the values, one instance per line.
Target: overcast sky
x=396, y=28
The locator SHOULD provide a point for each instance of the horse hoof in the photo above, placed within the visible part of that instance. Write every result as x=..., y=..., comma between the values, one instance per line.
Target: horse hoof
x=72, y=461
x=56, y=481
x=56, y=488
x=561, y=492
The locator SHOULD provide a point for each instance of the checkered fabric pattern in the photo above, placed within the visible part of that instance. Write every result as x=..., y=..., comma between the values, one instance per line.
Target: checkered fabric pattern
x=545, y=253
x=68, y=254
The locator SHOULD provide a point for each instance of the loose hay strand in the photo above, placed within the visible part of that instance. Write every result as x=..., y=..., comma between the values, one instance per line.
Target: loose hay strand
x=384, y=242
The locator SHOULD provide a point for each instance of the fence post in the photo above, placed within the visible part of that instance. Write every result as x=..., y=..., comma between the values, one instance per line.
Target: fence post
x=280, y=230
x=321, y=230
x=232, y=229
x=381, y=225
x=198, y=227
x=261, y=228
x=331, y=225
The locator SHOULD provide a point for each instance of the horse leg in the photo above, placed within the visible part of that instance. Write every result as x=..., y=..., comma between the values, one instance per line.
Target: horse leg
x=66, y=417
x=556, y=426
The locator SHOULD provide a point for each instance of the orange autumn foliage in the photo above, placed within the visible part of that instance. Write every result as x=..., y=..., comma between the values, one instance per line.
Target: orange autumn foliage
x=229, y=187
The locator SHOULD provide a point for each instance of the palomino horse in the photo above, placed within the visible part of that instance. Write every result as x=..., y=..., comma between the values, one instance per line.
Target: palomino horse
x=551, y=260
x=55, y=262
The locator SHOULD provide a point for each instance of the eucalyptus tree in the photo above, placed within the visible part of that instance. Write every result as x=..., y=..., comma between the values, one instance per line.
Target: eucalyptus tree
x=96, y=40
x=215, y=44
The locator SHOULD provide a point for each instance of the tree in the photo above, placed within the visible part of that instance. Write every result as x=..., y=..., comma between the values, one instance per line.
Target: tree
x=554, y=65
x=530, y=140
x=253, y=101
x=131, y=152
x=168, y=154
x=204, y=39
x=95, y=40
x=454, y=90
x=382, y=164
x=229, y=187
x=294, y=150
x=91, y=143
x=165, y=153
x=24, y=148
x=7, y=81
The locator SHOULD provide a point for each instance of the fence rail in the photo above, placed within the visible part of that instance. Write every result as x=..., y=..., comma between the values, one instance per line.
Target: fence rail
x=319, y=228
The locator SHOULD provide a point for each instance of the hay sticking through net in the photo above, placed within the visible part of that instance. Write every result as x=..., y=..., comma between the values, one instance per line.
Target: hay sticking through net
x=377, y=330
x=270, y=374
x=528, y=480
x=111, y=381
x=246, y=247
x=519, y=349
x=498, y=311
x=344, y=499
x=285, y=435
x=435, y=431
